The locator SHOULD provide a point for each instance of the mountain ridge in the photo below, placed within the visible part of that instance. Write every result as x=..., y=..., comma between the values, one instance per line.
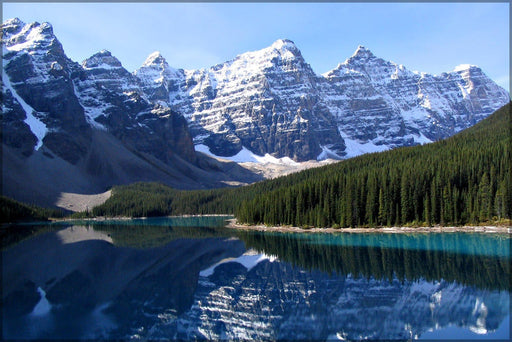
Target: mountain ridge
x=271, y=100
x=268, y=101
x=75, y=128
x=371, y=104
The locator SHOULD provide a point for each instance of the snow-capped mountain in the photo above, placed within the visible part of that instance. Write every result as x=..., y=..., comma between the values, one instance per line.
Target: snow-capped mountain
x=64, y=100
x=266, y=102
x=68, y=127
x=39, y=96
x=113, y=100
x=271, y=101
x=381, y=103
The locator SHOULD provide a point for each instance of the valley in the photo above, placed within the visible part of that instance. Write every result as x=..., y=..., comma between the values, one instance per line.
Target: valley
x=83, y=128
x=255, y=171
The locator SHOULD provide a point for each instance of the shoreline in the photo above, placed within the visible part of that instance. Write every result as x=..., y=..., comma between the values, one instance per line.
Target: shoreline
x=390, y=230
x=233, y=224
x=126, y=218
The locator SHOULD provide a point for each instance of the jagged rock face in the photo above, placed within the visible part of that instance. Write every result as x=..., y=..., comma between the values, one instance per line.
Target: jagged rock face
x=15, y=132
x=71, y=128
x=113, y=100
x=57, y=101
x=38, y=73
x=384, y=103
x=271, y=101
x=266, y=100
x=158, y=78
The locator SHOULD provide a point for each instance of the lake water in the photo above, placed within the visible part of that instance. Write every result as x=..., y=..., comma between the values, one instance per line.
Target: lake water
x=190, y=279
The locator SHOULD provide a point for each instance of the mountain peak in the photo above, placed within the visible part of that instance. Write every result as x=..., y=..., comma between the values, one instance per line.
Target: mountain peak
x=13, y=22
x=363, y=52
x=17, y=35
x=102, y=60
x=465, y=67
x=285, y=48
x=154, y=58
x=11, y=27
x=284, y=43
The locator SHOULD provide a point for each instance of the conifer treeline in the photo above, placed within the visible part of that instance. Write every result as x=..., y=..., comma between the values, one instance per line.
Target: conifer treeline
x=461, y=180
x=12, y=211
x=464, y=179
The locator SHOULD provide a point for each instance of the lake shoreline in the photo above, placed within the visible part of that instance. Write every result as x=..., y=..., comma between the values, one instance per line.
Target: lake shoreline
x=233, y=224
x=391, y=230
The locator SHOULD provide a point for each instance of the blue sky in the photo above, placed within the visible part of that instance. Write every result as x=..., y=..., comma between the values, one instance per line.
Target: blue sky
x=428, y=37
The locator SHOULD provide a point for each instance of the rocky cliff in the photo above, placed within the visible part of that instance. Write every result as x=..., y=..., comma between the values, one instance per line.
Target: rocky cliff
x=68, y=127
x=84, y=127
x=271, y=101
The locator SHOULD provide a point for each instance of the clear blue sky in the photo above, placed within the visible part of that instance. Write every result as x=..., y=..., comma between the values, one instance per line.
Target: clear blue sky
x=429, y=37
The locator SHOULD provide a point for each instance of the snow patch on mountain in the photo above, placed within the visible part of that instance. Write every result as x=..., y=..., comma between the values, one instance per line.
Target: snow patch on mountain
x=29, y=37
x=246, y=156
x=463, y=67
x=263, y=106
x=356, y=148
x=327, y=153
x=37, y=127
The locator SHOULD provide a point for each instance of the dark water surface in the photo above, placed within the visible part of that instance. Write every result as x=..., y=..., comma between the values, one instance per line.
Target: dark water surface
x=191, y=278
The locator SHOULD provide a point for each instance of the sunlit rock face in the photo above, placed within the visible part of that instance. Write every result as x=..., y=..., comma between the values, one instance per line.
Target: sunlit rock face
x=385, y=104
x=266, y=101
x=271, y=101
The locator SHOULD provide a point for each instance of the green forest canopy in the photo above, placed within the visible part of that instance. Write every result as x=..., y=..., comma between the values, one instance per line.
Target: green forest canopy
x=465, y=179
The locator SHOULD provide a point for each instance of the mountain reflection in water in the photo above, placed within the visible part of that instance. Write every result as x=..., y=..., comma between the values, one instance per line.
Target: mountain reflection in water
x=159, y=281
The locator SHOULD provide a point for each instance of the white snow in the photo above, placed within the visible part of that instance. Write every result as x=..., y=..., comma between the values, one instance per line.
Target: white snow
x=249, y=259
x=103, y=66
x=56, y=66
x=27, y=40
x=36, y=126
x=327, y=154
x=415, y=114
x=246, y=156
x=43, y=307
x=462, y=67
x=91, y=112
x=151, y=58
x=355, y=148
x=421, y=139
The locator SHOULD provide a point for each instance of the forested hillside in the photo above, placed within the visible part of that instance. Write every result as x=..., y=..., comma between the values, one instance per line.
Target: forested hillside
x=464, y=179
x=12, y=211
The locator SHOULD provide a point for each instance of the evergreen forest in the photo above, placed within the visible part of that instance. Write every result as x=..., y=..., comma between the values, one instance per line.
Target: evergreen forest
x=465, y=179
x=12, y=211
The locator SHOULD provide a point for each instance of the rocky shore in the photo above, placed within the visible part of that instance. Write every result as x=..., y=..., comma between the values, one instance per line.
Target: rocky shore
x=392, y=230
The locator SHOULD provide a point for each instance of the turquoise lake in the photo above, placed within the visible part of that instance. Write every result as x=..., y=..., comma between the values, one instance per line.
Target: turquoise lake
x=193, y=279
